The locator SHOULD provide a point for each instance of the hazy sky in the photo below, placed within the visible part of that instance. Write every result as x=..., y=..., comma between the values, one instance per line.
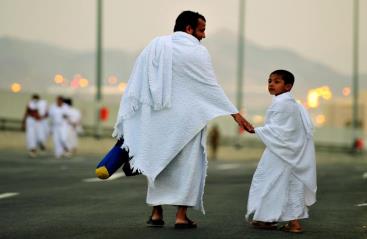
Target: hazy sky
x=320, y=30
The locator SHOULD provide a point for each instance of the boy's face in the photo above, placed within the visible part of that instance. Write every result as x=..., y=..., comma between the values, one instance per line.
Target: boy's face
x=277, y=86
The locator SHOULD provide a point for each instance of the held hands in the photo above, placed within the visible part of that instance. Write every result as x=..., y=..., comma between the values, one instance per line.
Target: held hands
x=242, y=122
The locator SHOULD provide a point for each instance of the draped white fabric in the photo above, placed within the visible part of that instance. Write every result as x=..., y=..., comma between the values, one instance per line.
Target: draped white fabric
x=182, y=182
x=289, y=159
x=156, y=131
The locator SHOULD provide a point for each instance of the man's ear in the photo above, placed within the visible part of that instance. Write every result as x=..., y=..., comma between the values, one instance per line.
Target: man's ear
x=189, y=29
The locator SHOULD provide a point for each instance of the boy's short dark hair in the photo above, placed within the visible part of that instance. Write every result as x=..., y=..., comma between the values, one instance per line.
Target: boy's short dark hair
x=187, y=18
x=287, y=76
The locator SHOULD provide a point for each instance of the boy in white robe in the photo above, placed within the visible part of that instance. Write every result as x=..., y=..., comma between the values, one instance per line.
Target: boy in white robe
x=284, y=183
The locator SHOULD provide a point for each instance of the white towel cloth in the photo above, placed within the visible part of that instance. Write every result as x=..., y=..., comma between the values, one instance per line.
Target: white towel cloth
x=286, y=173
x=182, y=182
x=150, y=80
x=160, y=115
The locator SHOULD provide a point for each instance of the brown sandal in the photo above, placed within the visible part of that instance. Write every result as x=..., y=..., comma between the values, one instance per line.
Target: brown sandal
x=288, y=228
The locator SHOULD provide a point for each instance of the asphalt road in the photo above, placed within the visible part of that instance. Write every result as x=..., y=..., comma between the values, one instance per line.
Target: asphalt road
x=60, y=199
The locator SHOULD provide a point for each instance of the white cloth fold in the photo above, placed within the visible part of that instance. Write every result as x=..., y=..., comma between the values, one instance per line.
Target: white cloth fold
x=158, y=119
x=287, y=136
x=150, y=80
x=289, y=159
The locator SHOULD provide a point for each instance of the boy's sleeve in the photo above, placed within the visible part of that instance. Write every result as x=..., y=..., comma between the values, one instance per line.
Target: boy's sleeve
x=282, y=135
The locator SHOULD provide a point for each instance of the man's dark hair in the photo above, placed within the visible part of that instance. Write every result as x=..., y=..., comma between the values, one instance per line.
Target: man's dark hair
x=287, y=76
x=68, y=101
x=187, y=18
x=35, y=97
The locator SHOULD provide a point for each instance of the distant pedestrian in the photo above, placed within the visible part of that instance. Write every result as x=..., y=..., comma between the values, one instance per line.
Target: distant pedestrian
x=32, y=123
x=74, y=126
x=284, y=183
x=214, y=138
x=58, y=116
x=43, y=124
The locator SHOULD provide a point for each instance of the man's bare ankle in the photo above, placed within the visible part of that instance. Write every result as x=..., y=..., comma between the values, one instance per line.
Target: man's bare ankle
x=157, y=213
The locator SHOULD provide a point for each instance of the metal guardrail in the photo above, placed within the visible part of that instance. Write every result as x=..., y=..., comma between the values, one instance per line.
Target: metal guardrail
x=89, y=130
x=11, y=124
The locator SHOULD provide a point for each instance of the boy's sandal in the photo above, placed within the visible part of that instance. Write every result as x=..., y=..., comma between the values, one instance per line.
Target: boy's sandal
x=288, y=228
x=264, y=225
x=155, y=223
x=189, y=225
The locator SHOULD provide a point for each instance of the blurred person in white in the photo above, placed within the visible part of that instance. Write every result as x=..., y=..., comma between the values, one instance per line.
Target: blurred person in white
x=43, y=123
x=171, y=96
x=284, y=183
x=74, y=125
x=59, y=127
x=31, y=124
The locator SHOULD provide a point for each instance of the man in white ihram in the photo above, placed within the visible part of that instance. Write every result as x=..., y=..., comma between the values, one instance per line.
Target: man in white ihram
x=171, y=95
x=36, y=125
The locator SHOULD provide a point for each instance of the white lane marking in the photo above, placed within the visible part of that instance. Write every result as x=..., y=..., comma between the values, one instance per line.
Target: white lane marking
x=227, y=166
x=113, y=177
x=8, y=195
x=362, y=205
x=364, y=176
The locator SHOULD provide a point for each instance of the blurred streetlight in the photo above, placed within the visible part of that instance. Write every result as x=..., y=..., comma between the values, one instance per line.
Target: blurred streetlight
x=346, y=91
x=83, y=82
x=74, y=84
x=320, y=120
x=312, y=99
x=314, y=95
x=16, y=87
x=112, y=80
x=59, y=79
